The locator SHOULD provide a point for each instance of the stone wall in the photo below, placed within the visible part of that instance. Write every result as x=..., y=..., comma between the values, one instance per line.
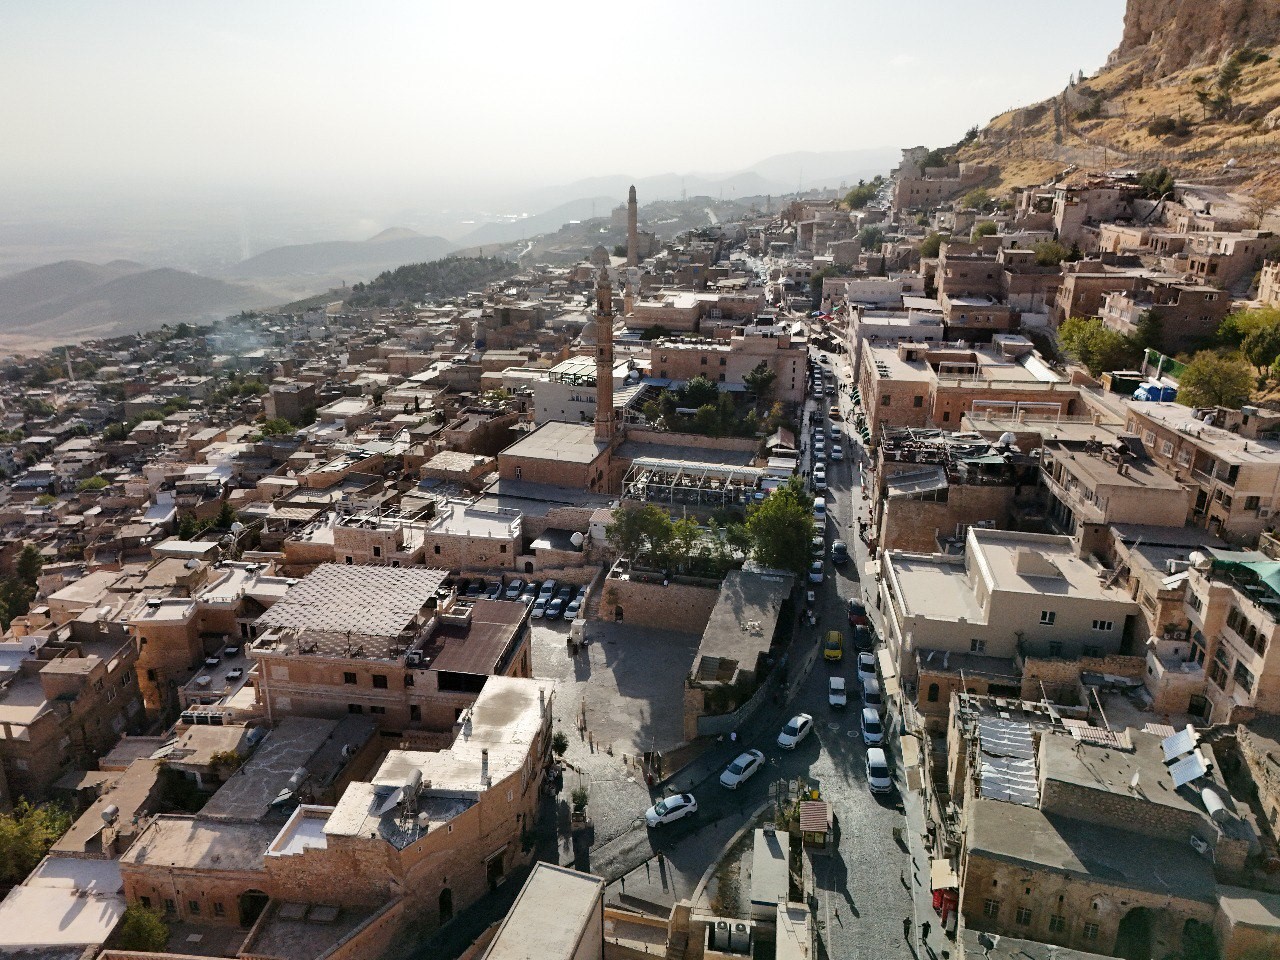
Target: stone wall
x=682, y=607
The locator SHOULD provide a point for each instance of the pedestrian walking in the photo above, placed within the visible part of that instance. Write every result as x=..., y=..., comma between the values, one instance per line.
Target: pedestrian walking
x=924, y=932
x=906, y=929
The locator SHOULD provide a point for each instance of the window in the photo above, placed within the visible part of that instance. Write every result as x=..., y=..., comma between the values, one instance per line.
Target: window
x=379, y=681
x=1103, y=625
x=355, y=708
x=146, y=902
x=884, y=401
x=408, y=679
x=703, y=361
x=1252, y=503
x=169, y=905
x=977, y=646
x=1243, y=676
x=1089, y=650
x=1047, y=617
x=1166, y=448
x=502, y=548
x=1195, y=603
x=933, y=693
x=946, y=416
x=1057, y=923
x=377, y=551
x=722, y=378
x=917, y=401
x=990, y=908
x=1089, y=931
x=349, y=678
x=219, y=910
x=378, y=710
x=1055, y=648
x=723, y=362
x=415, y=712
x=437, y=546
x=193, y=907
x=347, y=561
x=1023, y=916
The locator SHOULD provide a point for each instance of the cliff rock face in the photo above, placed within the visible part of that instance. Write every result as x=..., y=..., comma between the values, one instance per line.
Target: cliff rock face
x=1165, y=36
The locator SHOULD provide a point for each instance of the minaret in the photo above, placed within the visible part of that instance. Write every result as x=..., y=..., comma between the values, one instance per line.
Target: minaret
x=605, y=425
x=633, y=240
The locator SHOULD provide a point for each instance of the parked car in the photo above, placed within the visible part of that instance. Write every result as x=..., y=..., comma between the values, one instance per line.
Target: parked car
x=833, y=646
x=839, y=552
x=740, y=771
x=819, y=450
x=819, y=477
x=475, y=588
x=671, y=809
x=837, y=695
x=819, y=436
x=830, y=391
x=556, y=607
x=857, y=612
x=871, y=695
x=572, y=608
x=818, y=545
x=797, y=728
x=816, y=571
x=879, y=779
x=864, y=638
x=820, y=509
x=836, y=434
x=834, y=414
x=866, y=667
x=539, y=608
x=529, y=594
x=837, y=452
x=547, y=591
x=494, y=592
x=514, y=589
x=872, y=727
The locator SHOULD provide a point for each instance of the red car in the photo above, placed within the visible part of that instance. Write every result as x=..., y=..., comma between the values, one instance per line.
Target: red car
x=857, y=613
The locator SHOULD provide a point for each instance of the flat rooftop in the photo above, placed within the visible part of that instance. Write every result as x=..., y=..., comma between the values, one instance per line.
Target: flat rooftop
x=743, y=620
x=479, y=646
x=471, y=521
x=248, y=795
x=1139, y=473
x=1023, y=835
x=296, y=931
x=551, y=915
x=66, y=902
x=933, y=586
x=1229, y=447
x=493, y=742
x=1038, y=564
x=198, y=843
x=554, y=440
x=360, y=600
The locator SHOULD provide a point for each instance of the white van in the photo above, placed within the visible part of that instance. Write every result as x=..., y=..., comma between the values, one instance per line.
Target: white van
x=820, y=509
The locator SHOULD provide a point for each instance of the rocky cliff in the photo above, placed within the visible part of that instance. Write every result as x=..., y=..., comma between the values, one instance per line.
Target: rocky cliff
x=1162, y=37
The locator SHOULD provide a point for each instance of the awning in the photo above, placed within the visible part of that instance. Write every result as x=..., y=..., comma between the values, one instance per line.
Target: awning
x=888, y=673
x=942, y=876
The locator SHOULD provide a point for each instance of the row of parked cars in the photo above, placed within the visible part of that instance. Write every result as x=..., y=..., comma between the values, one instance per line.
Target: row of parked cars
x=550, y=600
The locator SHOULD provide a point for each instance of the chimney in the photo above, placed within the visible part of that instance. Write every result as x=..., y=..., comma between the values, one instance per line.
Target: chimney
x=484, y=765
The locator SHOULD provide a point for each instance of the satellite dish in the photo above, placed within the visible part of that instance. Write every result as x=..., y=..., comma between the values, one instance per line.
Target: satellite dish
x=1198, y=560
x=577, y=540
x=1007, y=439
x=237, y=527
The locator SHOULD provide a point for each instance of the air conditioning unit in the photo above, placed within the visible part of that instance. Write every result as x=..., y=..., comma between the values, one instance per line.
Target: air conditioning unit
x=1264, y=512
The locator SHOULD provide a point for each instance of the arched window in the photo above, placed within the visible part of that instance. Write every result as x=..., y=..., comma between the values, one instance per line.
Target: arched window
x=933, y=693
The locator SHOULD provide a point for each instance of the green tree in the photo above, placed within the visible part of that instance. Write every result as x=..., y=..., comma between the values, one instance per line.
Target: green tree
x=871, y=238
x=698, y=392
x=685, y=535
x=1215, y=380
x=1156, y=183
x=863, y=193
x=987, y=228
x=707, y=419
x=141, y=929
x=1050, y=253
x=559, y=743
x=1236, y=326
x=226, y=516
x=1149, y=331
x=26, y=836
x=780, y=528
x=976, y=199
x=92, y=483
x=29, y=564
x=1261, y=347
x=931, y=244
x=1098, y=347
x=640, y=532
x=759, y=380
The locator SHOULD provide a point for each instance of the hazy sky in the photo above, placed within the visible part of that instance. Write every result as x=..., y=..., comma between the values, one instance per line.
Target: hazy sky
x=345, y=96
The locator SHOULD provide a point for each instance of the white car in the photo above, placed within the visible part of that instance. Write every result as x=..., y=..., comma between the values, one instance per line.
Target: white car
x=837, y=696
x=671, y=809
x=866, y=667
x=514, y=589
x=819, y=436
x=539, y=608
x=740, y=771
x=872, y=727
x=797, y=728
x=816, y=571
x=879, y=779
x=836, y=434
x=837, y=452
x=871, y=696
x=819, y=546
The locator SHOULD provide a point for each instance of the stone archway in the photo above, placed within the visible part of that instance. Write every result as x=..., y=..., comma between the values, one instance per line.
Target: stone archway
x=446, y=905
x=1133, y=936
x=252, y=903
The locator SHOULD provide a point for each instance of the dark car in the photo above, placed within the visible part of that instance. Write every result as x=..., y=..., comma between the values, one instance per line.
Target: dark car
x=857, y=613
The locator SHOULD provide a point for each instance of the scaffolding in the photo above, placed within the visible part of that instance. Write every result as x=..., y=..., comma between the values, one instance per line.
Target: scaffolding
x=654, y=480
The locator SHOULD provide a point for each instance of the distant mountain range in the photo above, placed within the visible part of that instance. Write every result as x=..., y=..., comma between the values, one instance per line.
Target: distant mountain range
x=330, y=263
x=73, y=300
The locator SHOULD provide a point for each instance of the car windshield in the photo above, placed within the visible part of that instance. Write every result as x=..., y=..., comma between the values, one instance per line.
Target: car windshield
x=661, y=807
x=873, y=726
x=737, y=766
x=792, y=729
x=878, y=770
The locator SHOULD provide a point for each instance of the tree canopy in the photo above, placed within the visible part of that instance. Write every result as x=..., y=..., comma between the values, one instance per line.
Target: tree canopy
x=1099, y=348
x=863, y=193
x=987, y=228
x=26, y=836
x=141, y=929
x=1215, y=380
x=931, y=244
x=781, y=528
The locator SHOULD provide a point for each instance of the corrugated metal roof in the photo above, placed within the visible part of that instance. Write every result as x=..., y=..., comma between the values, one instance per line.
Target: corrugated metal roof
x=815, y=816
